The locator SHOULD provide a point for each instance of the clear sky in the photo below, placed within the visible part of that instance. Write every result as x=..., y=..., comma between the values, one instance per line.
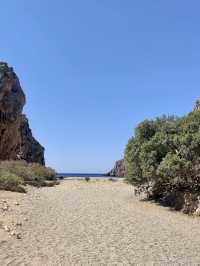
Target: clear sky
x=93, y=69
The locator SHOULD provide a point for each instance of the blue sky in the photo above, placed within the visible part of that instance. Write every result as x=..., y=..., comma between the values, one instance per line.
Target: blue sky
x=92, y=70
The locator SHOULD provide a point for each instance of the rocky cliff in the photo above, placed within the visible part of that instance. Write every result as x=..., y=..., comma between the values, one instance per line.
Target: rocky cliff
x=16, y=140
x=119, y=169
x=30, y=149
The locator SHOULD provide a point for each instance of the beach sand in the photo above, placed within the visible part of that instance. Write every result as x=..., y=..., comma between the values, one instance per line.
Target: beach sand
x=94, y=223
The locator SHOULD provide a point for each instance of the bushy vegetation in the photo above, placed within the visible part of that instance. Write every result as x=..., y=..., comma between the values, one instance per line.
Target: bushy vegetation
x=164, y=155
x=14, y=175
x=11, y=182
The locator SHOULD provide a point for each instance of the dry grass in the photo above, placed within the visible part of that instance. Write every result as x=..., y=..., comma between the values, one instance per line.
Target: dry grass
x=14, y=175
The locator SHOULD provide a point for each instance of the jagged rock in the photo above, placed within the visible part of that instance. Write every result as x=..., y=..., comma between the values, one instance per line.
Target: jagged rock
x=12, y=100
x=119, y=169
x=31, y=149
x=16, y=140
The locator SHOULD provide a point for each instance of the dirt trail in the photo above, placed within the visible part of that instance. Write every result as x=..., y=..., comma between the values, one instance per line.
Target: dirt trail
x=99, y=223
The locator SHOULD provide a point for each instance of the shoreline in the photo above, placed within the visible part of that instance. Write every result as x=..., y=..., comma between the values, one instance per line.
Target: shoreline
x=92, y=178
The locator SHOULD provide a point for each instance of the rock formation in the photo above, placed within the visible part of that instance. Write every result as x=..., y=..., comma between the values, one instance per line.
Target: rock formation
x=16, y=140
x=119, y=169
x=29, y=147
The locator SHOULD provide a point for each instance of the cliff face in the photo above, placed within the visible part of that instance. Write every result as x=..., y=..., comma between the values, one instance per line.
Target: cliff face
x=30, y=148
x=16, y=140
x=119, y=169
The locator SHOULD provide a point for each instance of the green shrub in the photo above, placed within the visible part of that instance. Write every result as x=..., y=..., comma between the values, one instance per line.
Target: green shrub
x=11, y=182
x=40, y=171
x=164, y=155
x=16, y=173
x=20, y=168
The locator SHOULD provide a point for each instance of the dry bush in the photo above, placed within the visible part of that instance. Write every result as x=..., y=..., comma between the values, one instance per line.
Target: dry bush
x=11, y=182
x=14, y=174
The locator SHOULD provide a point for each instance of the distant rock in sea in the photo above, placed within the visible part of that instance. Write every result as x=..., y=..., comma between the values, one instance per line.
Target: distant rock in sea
x=119, y=169
x=16, y=140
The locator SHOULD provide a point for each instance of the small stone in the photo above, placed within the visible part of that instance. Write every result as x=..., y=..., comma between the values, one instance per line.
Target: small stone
x=18, y=224
x=17, y=203
x=197, y=212
x=19, y=236
x=5, y=208
x=6, y=228
x=13, y=233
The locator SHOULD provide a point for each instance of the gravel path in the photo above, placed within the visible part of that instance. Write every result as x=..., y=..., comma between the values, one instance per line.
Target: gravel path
x=100, y=223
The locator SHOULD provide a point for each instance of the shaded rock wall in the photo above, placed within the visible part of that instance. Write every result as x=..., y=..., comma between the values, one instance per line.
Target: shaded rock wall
x=16, y=140
x=30, y=148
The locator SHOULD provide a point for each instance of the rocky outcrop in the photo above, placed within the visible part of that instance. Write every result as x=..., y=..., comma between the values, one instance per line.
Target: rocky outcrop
x=12, y=100
x=16, y=140
x=119, y=169
x=30, y=148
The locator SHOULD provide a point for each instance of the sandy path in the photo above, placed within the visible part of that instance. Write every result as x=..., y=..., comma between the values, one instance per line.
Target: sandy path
x=100, y=223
